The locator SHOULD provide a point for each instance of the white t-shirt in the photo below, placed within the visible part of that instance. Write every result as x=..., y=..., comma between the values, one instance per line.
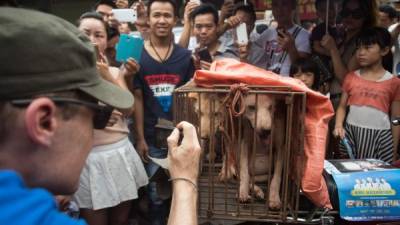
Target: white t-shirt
x=268, y=41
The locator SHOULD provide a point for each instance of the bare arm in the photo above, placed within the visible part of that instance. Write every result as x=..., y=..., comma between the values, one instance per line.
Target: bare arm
x=141, y=145
x=395, y=112
x=294, y=54
x=187, y=26
x=226, y=10
x=127, y=73
x=113, y=75
x=287, y=42
x=184, y=169
x=395, y=32
x=340, y=68
x=340, y=115
x=185, y=36
x=231, y=23
x=317, y=47
x=183, y=205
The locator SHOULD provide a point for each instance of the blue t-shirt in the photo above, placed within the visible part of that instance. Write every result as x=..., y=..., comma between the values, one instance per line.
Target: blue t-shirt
x=158, y=81
x=20, y=205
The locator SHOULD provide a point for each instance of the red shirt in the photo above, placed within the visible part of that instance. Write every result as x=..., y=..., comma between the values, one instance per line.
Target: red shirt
x=377, y=94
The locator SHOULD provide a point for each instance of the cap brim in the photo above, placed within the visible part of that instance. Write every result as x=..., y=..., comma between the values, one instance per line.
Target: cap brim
x=110, y=94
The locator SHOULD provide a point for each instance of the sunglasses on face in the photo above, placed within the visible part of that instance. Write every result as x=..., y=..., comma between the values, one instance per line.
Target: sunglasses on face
x=355, y=14
x=101, y=113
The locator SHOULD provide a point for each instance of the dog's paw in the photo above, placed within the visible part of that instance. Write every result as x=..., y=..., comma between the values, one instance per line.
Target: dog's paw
x=227, y=174
x=258, y=192
x=274, y=201
x=223, y=175
x=244, y=197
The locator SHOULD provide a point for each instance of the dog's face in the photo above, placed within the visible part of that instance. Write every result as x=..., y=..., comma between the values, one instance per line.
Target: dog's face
x=207, y=108
x=262, y=111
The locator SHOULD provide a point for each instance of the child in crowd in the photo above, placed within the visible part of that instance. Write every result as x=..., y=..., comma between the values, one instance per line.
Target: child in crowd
x=307, y=71
x=373, y=96
x=113, y=172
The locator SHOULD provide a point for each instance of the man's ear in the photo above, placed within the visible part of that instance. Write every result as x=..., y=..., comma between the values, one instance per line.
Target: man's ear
x=40, y=121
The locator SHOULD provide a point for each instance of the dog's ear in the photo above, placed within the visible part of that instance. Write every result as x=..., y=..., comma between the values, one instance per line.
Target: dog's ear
x=189, y=84
x=193, y=99
x=193, y=95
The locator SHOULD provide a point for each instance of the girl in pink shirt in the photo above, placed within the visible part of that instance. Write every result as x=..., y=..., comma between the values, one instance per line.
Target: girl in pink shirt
x=373, y=97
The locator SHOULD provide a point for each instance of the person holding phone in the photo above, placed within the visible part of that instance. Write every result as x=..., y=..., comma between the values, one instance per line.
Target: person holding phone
x=287, y=42
x=113, y=172
x=249, y=52
x=105, y=7
x=164, y=66
x=187, y=39
x=205, y=28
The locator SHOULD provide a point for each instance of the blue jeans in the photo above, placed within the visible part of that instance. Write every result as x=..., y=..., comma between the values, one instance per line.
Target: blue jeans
x=158, y=208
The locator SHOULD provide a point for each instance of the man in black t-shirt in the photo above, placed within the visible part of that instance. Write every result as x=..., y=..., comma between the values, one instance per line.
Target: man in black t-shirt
x=164, y=66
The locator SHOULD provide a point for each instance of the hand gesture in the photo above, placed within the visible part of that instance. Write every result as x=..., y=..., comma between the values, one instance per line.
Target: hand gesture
x=227, y=9
x=339, y=132
x=184, y=159
x=143, y=149
x=122, y=4
x=200, y=64
x=102, y=67
x=205, y=65
x=243, y=51
x=140, y=9
x=130, y=68
x=328, y=42
x=190, y=6
x=285, y=40
x=233, y=22
x=196, y=62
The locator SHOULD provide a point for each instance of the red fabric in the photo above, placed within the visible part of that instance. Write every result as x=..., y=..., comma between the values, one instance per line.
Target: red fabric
x=319, y=111
x=377, y=94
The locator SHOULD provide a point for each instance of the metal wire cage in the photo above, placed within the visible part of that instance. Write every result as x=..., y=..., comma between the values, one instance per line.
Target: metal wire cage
x=204, y=107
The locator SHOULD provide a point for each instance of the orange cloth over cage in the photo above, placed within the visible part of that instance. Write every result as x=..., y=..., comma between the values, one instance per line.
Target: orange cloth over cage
x=319, y=111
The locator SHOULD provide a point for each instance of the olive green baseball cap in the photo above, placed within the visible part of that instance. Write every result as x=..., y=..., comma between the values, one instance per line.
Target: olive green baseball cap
x=41, y=53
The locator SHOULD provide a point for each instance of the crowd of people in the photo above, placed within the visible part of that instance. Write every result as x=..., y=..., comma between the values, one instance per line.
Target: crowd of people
x=63, y=77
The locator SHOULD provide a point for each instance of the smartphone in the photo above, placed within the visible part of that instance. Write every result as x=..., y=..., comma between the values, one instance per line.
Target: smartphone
x=125, y=15
x=196, y=1
x=241, y=34
x=204, y=55
x=129, y=47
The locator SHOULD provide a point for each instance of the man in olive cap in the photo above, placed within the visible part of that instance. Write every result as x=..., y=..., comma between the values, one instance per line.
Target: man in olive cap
x=51, y=99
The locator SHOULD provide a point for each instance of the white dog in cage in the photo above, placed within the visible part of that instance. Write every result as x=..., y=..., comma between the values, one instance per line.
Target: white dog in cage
x=265, y=120
x=255, y=166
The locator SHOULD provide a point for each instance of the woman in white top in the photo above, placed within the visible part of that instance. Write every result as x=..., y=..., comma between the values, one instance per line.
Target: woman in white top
x=113, y=172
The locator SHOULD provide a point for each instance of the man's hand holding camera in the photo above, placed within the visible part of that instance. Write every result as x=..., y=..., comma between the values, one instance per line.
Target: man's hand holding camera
x=184, y=158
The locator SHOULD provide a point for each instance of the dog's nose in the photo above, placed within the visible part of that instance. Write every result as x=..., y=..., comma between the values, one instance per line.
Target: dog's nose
x=264, y=133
